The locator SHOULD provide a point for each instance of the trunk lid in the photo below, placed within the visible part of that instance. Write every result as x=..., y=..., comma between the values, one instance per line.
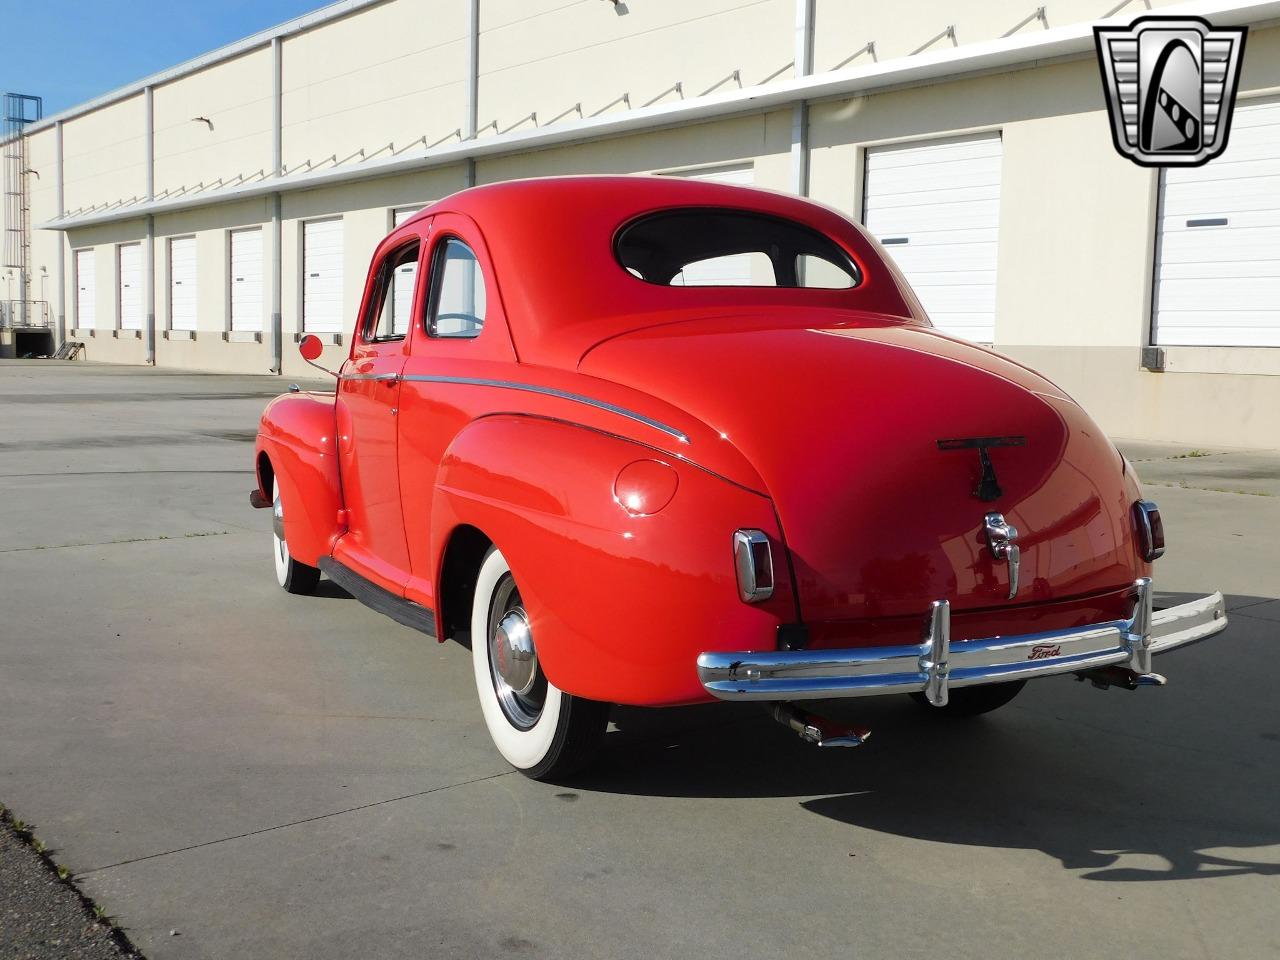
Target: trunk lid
x=842, y=421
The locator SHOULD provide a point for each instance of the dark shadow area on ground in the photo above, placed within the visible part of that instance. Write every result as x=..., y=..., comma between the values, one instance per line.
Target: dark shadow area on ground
x=1064, y=769
x=329, y=590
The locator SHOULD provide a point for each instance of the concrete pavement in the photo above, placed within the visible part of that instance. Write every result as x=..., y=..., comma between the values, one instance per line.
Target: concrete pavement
x=280, y=777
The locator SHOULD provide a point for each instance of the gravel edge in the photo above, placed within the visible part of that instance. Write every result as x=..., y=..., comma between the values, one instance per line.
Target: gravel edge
x=43, y=913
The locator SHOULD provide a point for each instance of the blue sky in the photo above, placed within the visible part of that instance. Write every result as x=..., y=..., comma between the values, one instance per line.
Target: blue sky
x=69, y=51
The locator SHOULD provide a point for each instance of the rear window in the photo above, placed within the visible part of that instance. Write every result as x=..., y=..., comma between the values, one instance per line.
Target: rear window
x=707, y=247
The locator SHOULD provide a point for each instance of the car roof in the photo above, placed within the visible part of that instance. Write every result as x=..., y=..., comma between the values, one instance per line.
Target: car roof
x=551, y=242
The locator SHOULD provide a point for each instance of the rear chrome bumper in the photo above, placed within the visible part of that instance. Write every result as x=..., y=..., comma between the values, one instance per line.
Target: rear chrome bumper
x=937, y=664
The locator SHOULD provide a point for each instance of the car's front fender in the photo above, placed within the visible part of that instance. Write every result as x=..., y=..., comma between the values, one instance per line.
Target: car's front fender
x=298, y=437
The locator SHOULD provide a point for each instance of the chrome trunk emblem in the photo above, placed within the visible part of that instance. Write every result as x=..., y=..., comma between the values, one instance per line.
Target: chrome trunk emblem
x=1002, y=541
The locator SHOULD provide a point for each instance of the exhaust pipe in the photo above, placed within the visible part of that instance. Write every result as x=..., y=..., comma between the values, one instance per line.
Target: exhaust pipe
x=1113, y=676
x=817, y=730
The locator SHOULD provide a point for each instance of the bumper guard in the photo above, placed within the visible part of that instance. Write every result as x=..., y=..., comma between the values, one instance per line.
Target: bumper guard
x=937, y=664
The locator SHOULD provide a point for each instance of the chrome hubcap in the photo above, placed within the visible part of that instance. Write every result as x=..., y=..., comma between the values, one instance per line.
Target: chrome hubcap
x=513, y=659
x=277, y=529
x=513, y=655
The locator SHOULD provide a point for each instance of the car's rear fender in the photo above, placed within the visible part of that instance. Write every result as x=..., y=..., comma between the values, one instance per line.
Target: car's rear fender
x=297, y=439
x=621, y=605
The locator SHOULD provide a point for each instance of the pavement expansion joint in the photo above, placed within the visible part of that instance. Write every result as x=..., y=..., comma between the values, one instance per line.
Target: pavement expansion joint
x=110, y=543
x=294, y=823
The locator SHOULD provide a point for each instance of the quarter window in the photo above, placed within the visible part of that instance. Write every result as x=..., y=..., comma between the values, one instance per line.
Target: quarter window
x=458, y=292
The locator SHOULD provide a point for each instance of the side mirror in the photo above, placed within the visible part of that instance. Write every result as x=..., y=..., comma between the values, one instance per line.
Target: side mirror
x=310, y=347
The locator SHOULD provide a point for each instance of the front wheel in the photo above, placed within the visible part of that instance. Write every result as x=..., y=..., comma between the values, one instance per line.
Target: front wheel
x=974, y=701
x=295, y=577
x=543, y=732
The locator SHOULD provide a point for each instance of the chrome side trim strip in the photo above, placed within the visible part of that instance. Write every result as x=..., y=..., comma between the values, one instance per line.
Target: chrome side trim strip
x=370, y=376
x=939, y=663
x=552, y=392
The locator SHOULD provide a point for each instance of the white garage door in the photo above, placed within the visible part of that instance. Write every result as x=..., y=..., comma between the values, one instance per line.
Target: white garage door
x=130, y=293
x=246, y=280
x=404, y=215
x=936, y=208
x=402, y=283
x=732, y=271
x=322, y=276
x=1218, y=272
x=182, y=283
x=86, y=291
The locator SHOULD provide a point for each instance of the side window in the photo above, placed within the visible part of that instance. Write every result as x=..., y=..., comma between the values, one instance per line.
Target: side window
x=457, y=292
x=392, y=303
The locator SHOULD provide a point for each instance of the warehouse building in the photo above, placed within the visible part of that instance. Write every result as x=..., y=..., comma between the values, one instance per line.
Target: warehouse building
x=207, y=216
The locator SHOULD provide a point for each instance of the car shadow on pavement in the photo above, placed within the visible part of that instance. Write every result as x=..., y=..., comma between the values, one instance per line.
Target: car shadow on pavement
x=1118, y=789
x=329, y=590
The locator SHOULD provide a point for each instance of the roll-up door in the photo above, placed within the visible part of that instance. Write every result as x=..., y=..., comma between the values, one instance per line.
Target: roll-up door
x=246, y=280
x=1218, y=247
x=182, y=283
x=130, y=291
x=322, y=276
x=86, y=290
x=936, y=208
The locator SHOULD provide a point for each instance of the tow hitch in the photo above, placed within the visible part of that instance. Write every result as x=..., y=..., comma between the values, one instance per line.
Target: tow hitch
x=1114, y=676
x=815, y=729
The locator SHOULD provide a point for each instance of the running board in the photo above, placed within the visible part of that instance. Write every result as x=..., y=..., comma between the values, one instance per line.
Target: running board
x=374, y=597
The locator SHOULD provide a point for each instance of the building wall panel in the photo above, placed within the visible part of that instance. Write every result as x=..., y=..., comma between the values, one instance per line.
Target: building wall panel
x=104, y=154
x=235, y=97
x=392, y=73
x=546, y=56
x=900, y=28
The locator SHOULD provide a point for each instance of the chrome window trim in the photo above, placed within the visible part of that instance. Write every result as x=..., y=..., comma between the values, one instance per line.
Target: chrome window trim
x=551, y=392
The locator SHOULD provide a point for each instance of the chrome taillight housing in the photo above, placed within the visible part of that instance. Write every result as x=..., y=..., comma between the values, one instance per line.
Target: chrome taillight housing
x=1150, y=530
x=753, y=563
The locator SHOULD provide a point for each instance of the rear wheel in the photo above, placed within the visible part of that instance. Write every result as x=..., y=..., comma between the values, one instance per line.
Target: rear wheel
x=542, y=731
x=295, y=577
x=974, y=701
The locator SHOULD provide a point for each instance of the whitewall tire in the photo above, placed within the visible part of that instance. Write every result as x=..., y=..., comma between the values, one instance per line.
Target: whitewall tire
x=540, y=730
x=293, y=576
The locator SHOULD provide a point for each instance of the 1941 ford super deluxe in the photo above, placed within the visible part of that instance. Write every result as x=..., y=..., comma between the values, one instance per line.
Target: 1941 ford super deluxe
x=655, y=441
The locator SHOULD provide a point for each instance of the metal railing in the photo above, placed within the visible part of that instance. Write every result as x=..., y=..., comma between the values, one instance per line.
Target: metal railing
x=24, y=315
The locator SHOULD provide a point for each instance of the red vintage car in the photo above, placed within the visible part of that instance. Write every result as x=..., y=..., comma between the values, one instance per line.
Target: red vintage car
x=654, y=441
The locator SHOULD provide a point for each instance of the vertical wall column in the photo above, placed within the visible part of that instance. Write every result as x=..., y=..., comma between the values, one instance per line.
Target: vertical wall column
x=800, y=112
x=472, y=118
x=60, y=200
x=149, y=246
x=277, y=231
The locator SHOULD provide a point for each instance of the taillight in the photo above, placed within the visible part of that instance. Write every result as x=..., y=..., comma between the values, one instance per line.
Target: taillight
x=753, y=561
x=1150, y=528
